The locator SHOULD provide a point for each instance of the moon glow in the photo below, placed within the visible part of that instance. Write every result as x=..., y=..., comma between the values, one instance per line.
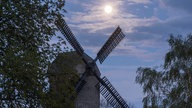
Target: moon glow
x=108, y=9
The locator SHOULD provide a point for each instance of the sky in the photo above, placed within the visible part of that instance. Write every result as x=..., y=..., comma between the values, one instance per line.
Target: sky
x=147, y=25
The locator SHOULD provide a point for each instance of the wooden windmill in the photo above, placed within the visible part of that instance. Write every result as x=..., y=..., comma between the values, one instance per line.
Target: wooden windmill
x=90, y=85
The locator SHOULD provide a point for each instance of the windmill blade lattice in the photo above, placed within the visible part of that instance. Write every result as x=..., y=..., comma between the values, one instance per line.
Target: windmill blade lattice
x=110, y=94
x=110, y=44
x=65, y=30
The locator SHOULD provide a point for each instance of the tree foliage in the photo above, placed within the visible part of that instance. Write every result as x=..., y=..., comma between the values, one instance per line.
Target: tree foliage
x=26, y=28
x=172, y=86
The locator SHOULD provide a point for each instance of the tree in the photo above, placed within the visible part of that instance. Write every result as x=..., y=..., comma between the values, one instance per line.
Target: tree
x=171, y=84
x=26, y=28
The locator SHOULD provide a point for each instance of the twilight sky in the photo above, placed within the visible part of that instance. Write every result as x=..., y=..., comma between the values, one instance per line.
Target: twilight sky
x=147, y=25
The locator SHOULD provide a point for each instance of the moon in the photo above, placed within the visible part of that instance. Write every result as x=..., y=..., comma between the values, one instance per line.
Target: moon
x=108, y=9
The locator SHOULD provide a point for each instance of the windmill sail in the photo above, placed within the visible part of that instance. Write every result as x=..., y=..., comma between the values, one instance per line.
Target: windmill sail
x=65, y=30
x=110, y=44
x=81, y=83
x=110, y=94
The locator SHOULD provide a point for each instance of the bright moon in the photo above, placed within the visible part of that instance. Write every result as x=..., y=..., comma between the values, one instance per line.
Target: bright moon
x=108, y=9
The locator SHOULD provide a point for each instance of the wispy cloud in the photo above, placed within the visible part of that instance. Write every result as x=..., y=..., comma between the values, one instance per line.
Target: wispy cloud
x=93, y=17
x=140, y=1
x=184, y=5
x=145, y=36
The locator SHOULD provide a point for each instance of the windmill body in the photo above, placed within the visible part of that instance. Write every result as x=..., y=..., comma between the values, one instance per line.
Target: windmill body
x=90, y=85
x=89, y=95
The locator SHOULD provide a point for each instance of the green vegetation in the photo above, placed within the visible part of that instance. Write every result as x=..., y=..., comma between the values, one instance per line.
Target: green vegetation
x=26, y=28
x=172, y=86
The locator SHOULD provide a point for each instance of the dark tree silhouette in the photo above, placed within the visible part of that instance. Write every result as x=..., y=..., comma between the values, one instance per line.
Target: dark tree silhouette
x=172, y=86
x=26, y=28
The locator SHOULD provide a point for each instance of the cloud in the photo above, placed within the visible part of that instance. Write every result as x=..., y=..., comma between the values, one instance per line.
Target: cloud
x=184, y=5
x=173, y=25
x=94, y=19
x=139, y=1
x=146, y=50
x=145, y=37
